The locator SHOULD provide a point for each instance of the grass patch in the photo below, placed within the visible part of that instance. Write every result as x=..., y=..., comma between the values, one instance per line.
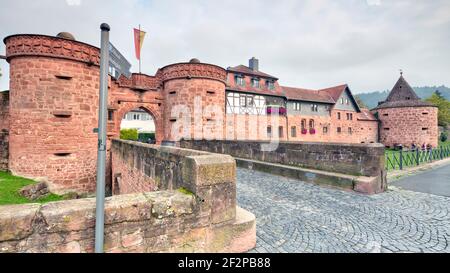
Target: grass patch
x=9, y=190
x=393, y=156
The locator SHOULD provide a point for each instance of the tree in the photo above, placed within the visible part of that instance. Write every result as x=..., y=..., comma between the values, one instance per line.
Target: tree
x=444, y=108
x=360, y=102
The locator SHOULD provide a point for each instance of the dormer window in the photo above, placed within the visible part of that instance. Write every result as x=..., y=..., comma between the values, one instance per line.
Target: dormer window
x=342, y=100
x=239, y=80
x=270, y=84
x=255, y=82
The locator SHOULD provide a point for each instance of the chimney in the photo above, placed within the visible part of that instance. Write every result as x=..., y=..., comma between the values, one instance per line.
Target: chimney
x=253, y=63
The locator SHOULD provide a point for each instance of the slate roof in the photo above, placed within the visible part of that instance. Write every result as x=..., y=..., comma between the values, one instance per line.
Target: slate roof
x=402, y=95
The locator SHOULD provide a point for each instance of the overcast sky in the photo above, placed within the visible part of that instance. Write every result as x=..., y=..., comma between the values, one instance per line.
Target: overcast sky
x=310, y=44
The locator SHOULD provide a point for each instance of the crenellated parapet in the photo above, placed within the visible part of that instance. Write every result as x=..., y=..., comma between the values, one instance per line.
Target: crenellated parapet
x=192, y=70
x=50, y=46
x=140, y=82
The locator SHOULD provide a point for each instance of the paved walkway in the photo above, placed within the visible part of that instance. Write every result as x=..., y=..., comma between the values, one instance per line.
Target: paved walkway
x=435, y=181
x=293, y=216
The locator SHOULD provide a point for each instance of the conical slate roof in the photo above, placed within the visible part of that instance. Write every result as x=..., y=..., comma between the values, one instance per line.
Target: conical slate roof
x=402, y=95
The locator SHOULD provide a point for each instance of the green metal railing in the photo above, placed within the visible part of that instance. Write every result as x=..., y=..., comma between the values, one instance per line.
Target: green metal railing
x=399, y=160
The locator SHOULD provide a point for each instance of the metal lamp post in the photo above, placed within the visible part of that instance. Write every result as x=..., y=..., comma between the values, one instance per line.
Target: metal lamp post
x=101, y=150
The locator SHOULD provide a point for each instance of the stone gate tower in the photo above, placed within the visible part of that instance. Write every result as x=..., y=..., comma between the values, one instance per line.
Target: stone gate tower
x=405, y=119
x=187, y=89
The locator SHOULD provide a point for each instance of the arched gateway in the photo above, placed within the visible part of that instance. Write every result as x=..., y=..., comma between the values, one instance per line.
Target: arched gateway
x=54, y=86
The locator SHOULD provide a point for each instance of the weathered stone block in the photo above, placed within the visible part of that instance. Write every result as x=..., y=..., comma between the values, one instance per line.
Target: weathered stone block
x=127, y=208
x=71, y=215
x=170, y=204
x=16, y=221
x=35, y=191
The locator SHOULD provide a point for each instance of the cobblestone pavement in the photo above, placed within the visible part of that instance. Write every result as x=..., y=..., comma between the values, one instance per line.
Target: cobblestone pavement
x=293, y=216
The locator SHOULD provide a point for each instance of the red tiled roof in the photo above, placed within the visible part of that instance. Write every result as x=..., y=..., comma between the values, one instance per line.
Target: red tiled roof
x=307, y=95
x=334, y=92
x=246, y=70
x=365, y=114
x=253, y=90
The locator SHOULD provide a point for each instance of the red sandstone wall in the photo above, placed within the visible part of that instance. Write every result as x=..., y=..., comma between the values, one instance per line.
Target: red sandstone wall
x=193, y=93
x=406, y=126
x=141, y=91
x=254, y=127
x=54, y=86
x=52, y=121
x=4, y=111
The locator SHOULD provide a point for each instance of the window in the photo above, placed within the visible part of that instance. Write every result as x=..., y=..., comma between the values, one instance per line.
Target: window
x=297, y=106
x=349, y=130
x=110, y=115
x=349, y=116
x=386, y=129
x=293, y=131
x=280, y=131
x=325, y=130
x=255, y=83
x=314, y=107
x=342, y=100
x=424, y=129
x=339, y=115
x=339, y=130
x=303, y=124
x=245, y=104
x=246, y=100
x=269, y=131
x=270, y=84
x=346, y=101
x=239, y=80
x=311, y=124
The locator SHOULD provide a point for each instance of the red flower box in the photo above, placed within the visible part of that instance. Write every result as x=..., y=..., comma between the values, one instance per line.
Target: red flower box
x=304, y=131
x=275, y=110
x=312, y=131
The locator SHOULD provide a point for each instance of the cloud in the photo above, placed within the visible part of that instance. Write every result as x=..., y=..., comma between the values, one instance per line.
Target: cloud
x=311, y=43
x=373, y=2
x=73, y=2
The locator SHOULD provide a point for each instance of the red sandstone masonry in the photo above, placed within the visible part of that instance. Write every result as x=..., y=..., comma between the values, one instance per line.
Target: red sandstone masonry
x=166, y=221
x=54, y=105
x=406, y=126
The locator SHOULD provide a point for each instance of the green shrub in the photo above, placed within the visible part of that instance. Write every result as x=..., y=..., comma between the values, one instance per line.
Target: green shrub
x=444, y=137
x=129, y=134
x=144, y=137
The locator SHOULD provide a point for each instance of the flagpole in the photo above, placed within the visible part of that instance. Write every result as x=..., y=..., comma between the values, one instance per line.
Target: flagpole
x=140, y=51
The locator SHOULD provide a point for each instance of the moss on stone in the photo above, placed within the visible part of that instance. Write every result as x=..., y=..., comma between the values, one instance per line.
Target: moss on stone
x=186, y=191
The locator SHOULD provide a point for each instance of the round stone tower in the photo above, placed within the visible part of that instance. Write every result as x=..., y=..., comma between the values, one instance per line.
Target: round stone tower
x=405, y=119
x=194, y=95
x=53, y=110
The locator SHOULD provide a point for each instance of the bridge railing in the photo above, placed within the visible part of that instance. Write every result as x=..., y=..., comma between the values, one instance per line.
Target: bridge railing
x=399, y=160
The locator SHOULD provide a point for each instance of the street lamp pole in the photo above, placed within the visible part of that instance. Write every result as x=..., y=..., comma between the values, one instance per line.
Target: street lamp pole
x=101, y=150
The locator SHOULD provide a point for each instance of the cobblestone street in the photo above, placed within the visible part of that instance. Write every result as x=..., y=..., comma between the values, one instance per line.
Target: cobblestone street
x=293, y=216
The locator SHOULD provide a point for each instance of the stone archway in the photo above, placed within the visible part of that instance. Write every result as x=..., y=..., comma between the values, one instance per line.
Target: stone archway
x=152, y=109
